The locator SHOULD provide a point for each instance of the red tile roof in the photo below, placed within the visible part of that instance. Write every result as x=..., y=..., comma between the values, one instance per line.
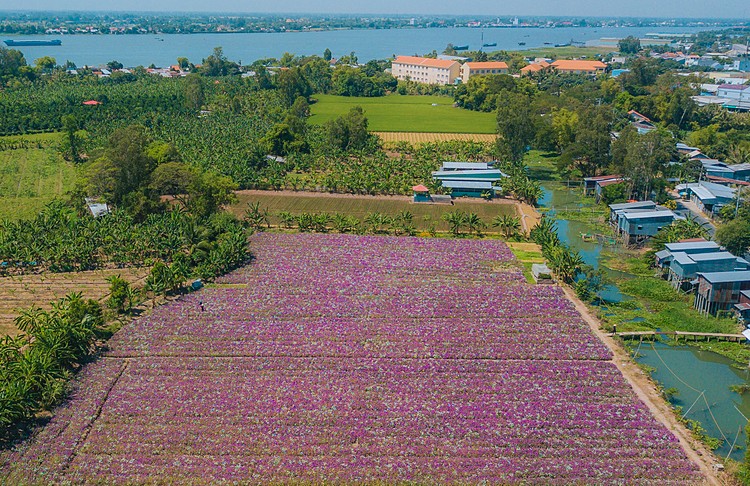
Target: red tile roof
x=92, y=102
x=535, y=67
x=487, y=65
x=578, y=65
x=424, y=61
x=420, y=188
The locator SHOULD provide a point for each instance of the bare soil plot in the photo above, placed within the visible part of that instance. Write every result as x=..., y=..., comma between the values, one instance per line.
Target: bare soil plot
x=24, y=291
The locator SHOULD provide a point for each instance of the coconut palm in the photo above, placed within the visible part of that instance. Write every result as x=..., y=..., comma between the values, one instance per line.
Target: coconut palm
x=456, y=220
x=509, y=225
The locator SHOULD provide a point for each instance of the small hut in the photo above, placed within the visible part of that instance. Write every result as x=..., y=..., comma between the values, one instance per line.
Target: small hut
x=421, y=193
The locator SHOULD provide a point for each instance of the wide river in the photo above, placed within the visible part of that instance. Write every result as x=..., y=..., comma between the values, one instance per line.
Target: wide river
x=164, y=49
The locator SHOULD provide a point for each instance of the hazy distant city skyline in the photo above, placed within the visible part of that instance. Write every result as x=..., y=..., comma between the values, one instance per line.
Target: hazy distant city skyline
x=739, y=9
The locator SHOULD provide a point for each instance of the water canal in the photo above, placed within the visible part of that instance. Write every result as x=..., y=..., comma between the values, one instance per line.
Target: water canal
x=702, y=379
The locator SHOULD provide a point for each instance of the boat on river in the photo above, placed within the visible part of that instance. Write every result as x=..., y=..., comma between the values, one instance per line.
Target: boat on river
x=32, y=42
x=490, y=44
x=461, y=48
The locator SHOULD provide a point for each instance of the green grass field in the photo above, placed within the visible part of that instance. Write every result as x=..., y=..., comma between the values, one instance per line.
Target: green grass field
x=360, y=206
x=397, y=113
x=567, y=52
x=33, y=176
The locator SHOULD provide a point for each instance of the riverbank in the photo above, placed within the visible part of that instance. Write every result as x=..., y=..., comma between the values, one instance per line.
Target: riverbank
x=649, y=393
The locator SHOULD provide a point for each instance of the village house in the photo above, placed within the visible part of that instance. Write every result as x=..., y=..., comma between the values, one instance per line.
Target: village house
x=617, y=209
x=708, y=196
x=720, y=291
x=425, y=70
x=742, y=308
x=663, y=258
x=470, y=69
x=684, y=268
x=636, y=222
x=590, y=184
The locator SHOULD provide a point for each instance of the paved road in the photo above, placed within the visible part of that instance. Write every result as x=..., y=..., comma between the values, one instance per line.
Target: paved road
x=689, y=207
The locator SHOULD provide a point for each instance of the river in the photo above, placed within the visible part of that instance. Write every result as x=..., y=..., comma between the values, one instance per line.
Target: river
x=164, y=49
x=702, y=378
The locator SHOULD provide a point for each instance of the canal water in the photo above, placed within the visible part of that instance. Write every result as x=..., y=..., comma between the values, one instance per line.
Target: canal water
x=702, y=378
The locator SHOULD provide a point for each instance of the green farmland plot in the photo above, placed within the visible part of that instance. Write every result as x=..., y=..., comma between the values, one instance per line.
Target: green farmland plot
x=397, y=113
x=32, y=173
x=425, y=215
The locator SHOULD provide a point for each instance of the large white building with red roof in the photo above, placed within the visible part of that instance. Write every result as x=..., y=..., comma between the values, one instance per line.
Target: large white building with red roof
x=425, y=70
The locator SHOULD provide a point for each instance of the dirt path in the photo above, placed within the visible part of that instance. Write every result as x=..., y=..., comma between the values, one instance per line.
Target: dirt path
x=530, y=217
x=647, y=392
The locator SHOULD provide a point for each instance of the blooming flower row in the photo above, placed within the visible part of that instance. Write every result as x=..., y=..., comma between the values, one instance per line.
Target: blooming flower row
x=339, y=358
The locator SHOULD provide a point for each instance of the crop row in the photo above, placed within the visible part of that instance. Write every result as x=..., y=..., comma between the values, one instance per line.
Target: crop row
x=338, y=358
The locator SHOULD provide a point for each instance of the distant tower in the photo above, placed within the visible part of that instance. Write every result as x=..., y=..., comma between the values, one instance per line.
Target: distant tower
x=515, y=21
x=412, y=21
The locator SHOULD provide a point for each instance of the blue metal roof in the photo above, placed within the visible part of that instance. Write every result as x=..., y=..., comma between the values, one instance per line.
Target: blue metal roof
x=466, y=165
x=649, y=215
x=633, y=205
x=725, y=277
x=487, y=185
x=716, y=256
x=691, y=245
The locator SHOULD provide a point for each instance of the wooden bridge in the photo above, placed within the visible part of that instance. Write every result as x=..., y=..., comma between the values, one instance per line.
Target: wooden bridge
x=677, y=335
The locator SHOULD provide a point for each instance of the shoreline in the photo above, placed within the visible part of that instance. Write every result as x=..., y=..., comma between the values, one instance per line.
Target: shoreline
x=645, y=389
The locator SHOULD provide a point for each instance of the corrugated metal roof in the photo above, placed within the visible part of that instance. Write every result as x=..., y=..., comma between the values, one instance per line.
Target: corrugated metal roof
x=459, y=174
x=468, y=184
x=661, y=255
x=714, y=256
x=724, y=277
x=648, y=215
x=633, y=205
x=682, y=258
x=674, y=247
x=466, y=165
x=703, y=194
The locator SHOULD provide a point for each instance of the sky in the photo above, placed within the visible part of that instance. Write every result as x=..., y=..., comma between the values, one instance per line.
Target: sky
x=739, y=9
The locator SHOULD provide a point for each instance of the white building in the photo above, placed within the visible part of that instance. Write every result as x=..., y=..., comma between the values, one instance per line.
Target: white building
x=425, y=70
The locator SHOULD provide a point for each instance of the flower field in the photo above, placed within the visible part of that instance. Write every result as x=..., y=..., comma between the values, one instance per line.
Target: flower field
x=340, y=358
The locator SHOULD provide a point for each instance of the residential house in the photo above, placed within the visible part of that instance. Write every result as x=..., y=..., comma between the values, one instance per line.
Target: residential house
x=470, y=69
x=720, y=291
x=425, y=70
x=684, y=268
x=590, y=183
x=642, y=123
x=665, y=256
x=616, y=209
x=708, y=196
x=639, y=226
x=742, y=308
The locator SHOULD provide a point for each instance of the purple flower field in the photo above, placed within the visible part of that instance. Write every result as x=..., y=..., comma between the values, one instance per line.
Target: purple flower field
x=337, y=358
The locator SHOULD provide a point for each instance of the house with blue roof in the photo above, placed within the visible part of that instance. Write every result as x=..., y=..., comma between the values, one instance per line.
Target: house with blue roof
x=470, y=179
x=708, y=196
x=637, y=227
x=720, y=291
x=663, y=258
x=684, y=268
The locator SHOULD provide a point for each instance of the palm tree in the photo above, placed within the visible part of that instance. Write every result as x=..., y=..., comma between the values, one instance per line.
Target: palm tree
x=508, y=225
x=474, y=223
x=456, y=220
